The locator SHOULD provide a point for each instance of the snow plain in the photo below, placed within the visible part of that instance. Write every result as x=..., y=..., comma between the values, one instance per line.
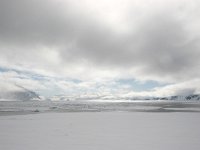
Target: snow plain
x=101, y=131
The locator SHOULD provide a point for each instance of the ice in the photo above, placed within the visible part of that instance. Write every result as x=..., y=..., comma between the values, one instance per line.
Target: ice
x=26, y=107
x=100, y=131
x=96, y=125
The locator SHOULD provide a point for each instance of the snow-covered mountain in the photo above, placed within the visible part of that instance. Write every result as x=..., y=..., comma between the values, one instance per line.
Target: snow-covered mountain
x=9, y=91
x=113, y=97
x=188, y=97
x=15, y=92
x=176, y=97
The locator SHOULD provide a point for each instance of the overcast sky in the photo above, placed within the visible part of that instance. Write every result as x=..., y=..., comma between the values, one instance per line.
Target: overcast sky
x=130, y=47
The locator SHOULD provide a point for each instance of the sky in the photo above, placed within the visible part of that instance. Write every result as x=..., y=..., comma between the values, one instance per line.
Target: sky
x=118, y=47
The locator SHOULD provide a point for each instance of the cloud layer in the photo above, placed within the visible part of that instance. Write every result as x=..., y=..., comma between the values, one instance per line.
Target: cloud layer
x=103, y=41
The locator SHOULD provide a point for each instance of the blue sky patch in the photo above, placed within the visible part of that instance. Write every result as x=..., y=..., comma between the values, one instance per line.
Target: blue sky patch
x=140, y=86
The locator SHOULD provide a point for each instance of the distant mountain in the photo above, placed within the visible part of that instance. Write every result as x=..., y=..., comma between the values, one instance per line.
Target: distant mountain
x=19, y=93
x=188, y=97
x=176, y=98
x=112, y=97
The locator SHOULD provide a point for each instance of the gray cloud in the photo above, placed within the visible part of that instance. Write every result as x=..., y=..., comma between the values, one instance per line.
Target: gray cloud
x=35, y=22
x=160, y=43
x=166, y=48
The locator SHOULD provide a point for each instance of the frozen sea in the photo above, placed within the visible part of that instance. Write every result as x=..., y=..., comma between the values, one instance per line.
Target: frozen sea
x=27, y=107
x=99, y=125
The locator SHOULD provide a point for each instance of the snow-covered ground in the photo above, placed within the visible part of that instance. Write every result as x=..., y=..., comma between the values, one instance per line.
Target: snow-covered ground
x=100, y=131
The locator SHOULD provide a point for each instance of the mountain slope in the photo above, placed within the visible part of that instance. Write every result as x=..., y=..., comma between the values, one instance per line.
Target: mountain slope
x=16, y=92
